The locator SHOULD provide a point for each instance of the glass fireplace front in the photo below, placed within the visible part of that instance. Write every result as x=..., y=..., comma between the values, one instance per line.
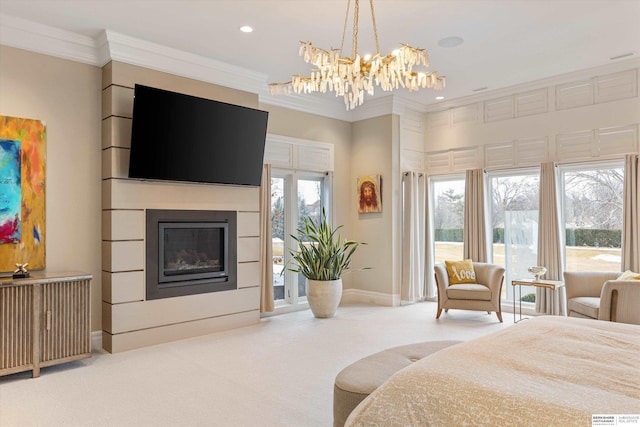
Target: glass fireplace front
x=190, y=251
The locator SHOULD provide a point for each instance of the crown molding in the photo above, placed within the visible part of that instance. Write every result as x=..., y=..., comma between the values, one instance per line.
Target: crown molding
x=142, y=53
x=325, y=106
x=109, y=45
x=373, y=107
x=585, y=74
x=28, y=35
x=385, y=105
x=333, y=107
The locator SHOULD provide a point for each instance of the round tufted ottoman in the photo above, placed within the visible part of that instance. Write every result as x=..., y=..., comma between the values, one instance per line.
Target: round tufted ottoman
x=361, y=378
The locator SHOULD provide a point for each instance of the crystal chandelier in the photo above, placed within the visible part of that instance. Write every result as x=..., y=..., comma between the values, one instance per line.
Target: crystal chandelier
x=351, y=77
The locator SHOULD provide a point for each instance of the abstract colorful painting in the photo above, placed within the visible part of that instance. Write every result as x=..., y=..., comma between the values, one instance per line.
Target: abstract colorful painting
x=10, y=191
x=22, y=193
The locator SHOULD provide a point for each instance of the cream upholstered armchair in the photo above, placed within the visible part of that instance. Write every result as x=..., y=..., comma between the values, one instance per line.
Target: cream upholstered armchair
x=484, y=295
x=620, y=301
x=583, y=291
x=600, y=295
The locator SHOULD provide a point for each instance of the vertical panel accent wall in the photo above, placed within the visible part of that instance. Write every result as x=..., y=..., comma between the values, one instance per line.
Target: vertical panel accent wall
x=590, y=118
x=129, y=320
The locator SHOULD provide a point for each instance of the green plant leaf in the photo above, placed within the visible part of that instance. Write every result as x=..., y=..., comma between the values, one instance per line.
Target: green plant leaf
x=322, y=253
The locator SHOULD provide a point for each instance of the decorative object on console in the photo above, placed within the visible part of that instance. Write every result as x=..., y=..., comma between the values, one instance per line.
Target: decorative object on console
x=322, y=256
x=350, y=77
x=538, y=271
x=369, y=194
x=22, y=192
x=21, y=271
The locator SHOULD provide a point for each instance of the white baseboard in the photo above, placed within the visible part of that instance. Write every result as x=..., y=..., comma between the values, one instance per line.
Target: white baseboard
x=96, y=340
x=286, y=308
x=528, y=310
x=368, y=297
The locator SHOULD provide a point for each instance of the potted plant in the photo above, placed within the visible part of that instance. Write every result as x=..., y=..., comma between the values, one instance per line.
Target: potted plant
x=322, y=257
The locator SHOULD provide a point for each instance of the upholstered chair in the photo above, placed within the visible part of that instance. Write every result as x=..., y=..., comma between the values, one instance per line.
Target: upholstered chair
x=583, y=291
x=620, y=301
x=484, y=295
x=600, y=295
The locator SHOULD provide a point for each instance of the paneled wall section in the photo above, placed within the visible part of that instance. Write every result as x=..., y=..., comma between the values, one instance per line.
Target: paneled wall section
x=129, y=321
x=593, y=118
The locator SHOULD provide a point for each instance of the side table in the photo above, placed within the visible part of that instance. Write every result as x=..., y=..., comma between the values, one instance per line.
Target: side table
x=545, y=284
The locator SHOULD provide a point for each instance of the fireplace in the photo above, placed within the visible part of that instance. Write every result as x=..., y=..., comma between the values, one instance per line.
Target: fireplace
x=190, y=252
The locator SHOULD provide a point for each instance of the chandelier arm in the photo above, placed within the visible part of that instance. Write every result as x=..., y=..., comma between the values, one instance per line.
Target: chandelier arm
x=280, y=83
x=317, y=48
x=375, y=27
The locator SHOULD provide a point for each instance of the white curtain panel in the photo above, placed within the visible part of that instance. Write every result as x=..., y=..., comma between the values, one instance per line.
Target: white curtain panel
x=413, y=287
x=475, y=233
x=549, y=239
x=631, y=224
x=266, y=257
x=432, y=289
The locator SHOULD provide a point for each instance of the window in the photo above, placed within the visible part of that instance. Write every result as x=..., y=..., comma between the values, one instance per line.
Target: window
x=447, y=200
x=277, y=236
x=311, y=190
x=514, y=226
x=592, y=214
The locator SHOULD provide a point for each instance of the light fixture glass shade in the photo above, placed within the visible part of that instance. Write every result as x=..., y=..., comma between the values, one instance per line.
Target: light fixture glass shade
x=351, y=77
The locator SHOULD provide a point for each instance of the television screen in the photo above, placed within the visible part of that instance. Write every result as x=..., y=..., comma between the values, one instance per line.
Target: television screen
x=179, y=137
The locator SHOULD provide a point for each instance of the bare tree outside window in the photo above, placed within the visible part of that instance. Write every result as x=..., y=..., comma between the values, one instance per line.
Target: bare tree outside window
x=448, y=219
x=517, y=193
x=594, y=198
x=593, y=215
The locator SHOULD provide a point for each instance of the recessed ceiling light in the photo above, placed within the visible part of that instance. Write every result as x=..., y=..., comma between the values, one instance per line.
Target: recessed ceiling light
x=452, y=41
x=246, y=29
x=439, y=97
x=479, y=89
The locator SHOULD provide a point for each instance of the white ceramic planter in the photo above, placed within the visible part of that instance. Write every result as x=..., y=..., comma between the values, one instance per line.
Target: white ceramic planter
x=324, y=296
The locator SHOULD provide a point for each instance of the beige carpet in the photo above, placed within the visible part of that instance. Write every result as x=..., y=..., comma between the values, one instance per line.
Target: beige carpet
x=279, y=372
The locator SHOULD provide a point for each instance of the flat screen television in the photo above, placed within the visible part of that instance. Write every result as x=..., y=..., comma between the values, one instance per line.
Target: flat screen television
x=179, y=137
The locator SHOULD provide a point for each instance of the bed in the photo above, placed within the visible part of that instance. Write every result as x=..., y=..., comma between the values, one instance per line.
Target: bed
x=551, y=371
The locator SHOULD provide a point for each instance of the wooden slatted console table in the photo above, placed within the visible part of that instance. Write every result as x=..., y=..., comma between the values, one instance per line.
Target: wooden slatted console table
x=45, y=320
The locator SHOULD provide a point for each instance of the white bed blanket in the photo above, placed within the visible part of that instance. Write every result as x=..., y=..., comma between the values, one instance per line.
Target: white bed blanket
x=546, y=371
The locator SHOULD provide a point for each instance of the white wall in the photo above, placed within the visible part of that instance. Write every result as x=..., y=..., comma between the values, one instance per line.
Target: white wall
x=375, y=151
x=296, y=124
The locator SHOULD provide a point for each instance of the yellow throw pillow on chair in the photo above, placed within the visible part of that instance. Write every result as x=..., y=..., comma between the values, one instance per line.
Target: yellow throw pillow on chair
x=460, y=272
x=629, y=275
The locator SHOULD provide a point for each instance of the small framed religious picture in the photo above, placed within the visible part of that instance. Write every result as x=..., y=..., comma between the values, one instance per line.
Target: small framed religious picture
x=369, y=194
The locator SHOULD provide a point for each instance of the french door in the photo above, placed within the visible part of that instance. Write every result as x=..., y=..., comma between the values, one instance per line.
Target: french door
x=294, y=195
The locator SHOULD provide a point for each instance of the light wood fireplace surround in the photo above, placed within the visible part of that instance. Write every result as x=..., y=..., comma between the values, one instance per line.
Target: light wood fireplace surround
x=129, y=320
